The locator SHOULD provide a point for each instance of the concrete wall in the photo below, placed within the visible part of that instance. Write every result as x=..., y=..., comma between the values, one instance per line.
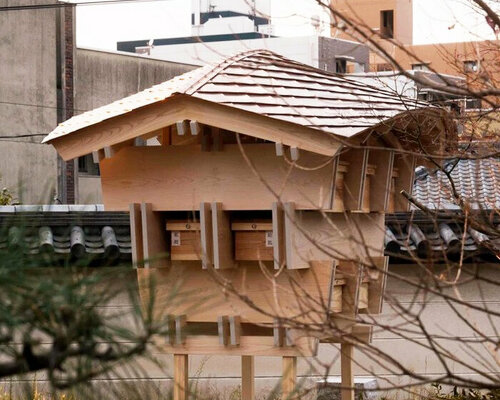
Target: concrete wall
x=103, y=77
x=28, y=100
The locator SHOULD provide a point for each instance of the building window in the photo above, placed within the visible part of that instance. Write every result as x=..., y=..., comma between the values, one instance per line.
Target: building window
x=87, y=166
x=420, y=67
x=387, y=23
x=471, y=66
x=340, y=66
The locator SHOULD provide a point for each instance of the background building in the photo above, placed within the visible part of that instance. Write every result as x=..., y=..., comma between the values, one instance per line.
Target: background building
x=44, y=79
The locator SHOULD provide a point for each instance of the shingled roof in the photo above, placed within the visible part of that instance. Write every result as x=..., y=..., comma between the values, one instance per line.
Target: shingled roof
x=265, y=83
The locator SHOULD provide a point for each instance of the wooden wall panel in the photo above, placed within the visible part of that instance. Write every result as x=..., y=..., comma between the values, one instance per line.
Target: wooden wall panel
x=181, y=177
x=405, y=163
x=154, y=238
x=354, y=179
x=136, y=233
x=381, y=181
x=187, y=289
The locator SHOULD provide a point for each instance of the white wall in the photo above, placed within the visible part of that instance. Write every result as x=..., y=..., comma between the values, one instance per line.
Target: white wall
x=302, y=49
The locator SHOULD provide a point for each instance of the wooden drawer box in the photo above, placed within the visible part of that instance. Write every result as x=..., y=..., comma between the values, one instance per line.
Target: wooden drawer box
x=185, y=244
x=253, y=240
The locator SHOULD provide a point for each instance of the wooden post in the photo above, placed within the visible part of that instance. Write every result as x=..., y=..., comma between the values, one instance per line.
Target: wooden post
x=347, y=377
x=180, y=377
x=289, y=377
x=247, y=378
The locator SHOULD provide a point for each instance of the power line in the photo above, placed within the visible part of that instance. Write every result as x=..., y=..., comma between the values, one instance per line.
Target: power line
x=65, y=5
x=39, y=106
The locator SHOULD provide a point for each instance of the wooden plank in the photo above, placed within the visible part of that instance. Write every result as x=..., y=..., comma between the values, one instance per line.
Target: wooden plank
x=257, y=225
x=247, y=378
x=253, y=246
x=182, y=226
x=380, y=187
x=180, y=107
x=289, y=380
x=181, y=177
x=136, y=234
x=338, y=236
x=181, y=377
x=405, y=164
x=249, y=346
x=354, y=178
x=154, y=239
x=222, y=238
x=166, y=138
x=180, y=329
x=278, y=235
x=346, y=371
x=206, y=235
x=199, y=295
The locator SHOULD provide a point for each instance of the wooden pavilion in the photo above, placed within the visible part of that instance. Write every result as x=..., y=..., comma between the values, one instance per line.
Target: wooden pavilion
x=259, y=200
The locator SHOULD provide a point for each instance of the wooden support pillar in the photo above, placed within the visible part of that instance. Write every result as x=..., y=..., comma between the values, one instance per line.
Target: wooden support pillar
x=289, y=379
x=247, y=378
x=347, y=377
x=181, y=377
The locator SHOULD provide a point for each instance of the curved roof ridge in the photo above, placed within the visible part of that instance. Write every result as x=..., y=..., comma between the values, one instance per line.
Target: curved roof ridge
x=221, y=66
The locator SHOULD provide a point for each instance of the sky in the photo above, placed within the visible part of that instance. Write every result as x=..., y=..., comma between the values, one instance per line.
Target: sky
x=101, y=26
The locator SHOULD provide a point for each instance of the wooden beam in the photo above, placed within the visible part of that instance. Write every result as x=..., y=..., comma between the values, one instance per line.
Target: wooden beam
x=181, y=377
x=218, y=144
x=346, y=371
x=182, y=107
x=247, y=378
x=136, y=234
x=154, y=239
x=250, y=346
x=206, y=235
x=289, y=379
x=354, y=180
x=222, y=238
x=278, y=217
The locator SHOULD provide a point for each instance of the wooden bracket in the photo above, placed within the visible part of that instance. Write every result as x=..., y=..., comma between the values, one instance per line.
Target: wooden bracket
x=181, y=128
x=354, y=180
x=223, y=330
x=171, y=331
x=154, y=239
x=136, y=234
x=405, y=163
x=222, y=238
x=278, y=217
x=194, y=127
x=206, y=235
x=180, y=329
x=294, y=153
x=279, y=149
x=97, y=156
x=380, y=187
x=235, y=330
